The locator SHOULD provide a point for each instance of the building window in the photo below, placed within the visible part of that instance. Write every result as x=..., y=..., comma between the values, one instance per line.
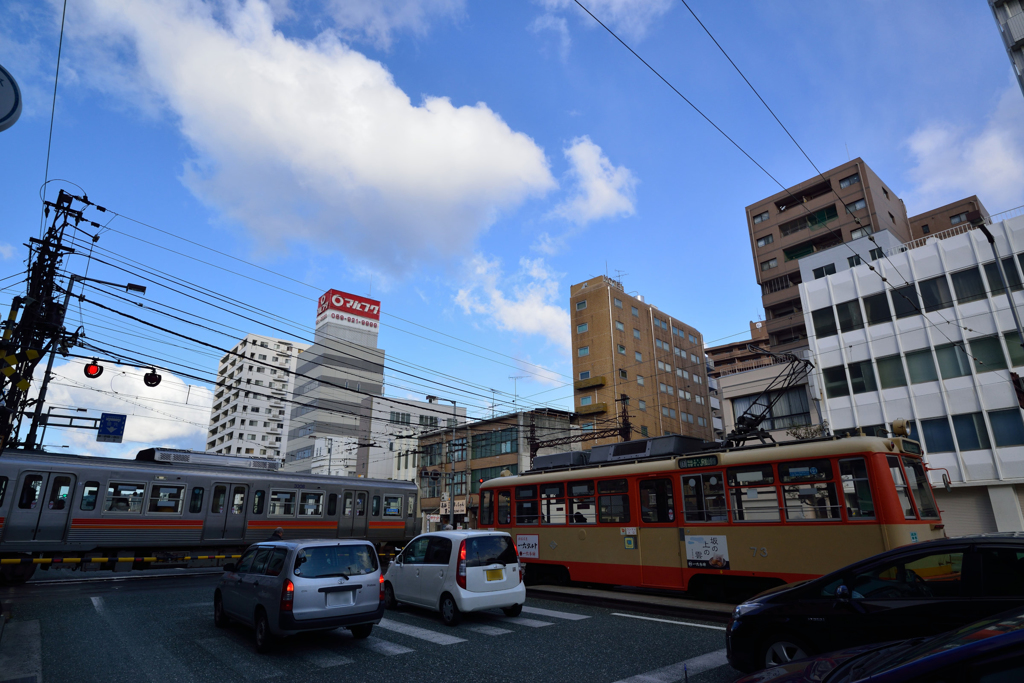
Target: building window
x=789, y=408
x=849, y=316
x=824, y=322
x=953, y=361
x=995, y=282
x=849, y=180
x=937, y=437
x=640, y=380
x=623, y=374
x=588, y=426
x=862, y=377
x=921, y=366
x=971, y=433
x=619, y=326
x=769, y=264
x=580, y=305
x=854, y=260
x=583, y=351
x=856, y=206
x=892, y=218
x=639, y=356
x=643, y=430
x=886, y=193
x=958, y=219
x=586, y=400
x=642, y=405
x=968, y=285
x=1007, y=427
x=636, y=311
x=988, y=354
x=876, y=253
x=760, y=218
x=861, y=232
x=835, y=382
x=904, y=301
x=876, y=307
x=496, y=443
x=636, y=333
x=621, y=349
x=827, y=269
x=1015, y=349
x=585, y=374
x=935, y=294
x=925, y=229
x=767, y=239
x=890, y=372
x=618, y=303
x=580, y=329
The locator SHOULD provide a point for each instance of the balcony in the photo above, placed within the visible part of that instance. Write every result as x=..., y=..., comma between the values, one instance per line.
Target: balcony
x=1013, y=31
x=593, y=409
x=598, y=381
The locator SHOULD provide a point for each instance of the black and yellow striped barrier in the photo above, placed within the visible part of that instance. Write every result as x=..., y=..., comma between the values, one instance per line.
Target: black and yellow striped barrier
x=101, y=560
x=8, y=363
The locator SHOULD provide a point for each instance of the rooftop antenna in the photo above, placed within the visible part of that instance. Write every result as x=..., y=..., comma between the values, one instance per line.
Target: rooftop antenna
x=515, y=389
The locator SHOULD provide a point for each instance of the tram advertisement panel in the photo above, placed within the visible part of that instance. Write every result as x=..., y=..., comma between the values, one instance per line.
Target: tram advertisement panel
x=528, y=545
x=707, y=552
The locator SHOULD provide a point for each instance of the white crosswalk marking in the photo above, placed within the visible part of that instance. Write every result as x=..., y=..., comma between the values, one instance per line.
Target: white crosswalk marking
x=237, y=658
x=421, y=633
x=554, y=613
x=488, y=630
x=675, y=672
x=522, y=621
x=669, y=621
x=384, y=647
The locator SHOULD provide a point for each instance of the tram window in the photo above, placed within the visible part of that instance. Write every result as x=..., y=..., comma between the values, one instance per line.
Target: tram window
x=346, y=508
x=919, y=488
x=332, y=504
x=704, y=497
x=260, y=563
x=754, y=503
x=582, y=509
x=526, y=505
x=901, y=487
x=59, y=493
x=613, y=486
x=526, y=492
x=311, y=504
x=805, y=470
x=392, y=505
x=807, y=502
x=30, y=492
x=276, y=563
x=220, y=494
x=124, y=497
x=552, y=504
x=374, y=506
x=856, y=489
x=361, y=504
x=486, y=508
x=90, y=492
x=238, y=501
x=656, y=502
x=196, y=503
x=258, y=500
x=282, y=504
x=410, y=506
x=504, y=507
x=613, y=509
x=166, y=499
x=3, y=489
x=750, y=476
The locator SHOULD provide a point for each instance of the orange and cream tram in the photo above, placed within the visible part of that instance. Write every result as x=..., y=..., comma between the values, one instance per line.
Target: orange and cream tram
x=648, y=513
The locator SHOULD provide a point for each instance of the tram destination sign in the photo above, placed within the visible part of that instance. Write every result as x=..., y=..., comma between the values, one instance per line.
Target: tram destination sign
x=698, y=461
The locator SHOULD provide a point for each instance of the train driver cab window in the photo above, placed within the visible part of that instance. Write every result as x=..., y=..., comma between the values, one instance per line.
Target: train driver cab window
x=220, y=494
x=392, y=506
x=374, y=506
x=919, y=488
x=3, y=489
x=166, y=499
x=195, y=503
x=90, y=492
x=238, y=500
x=657, y=505
x=504, y=507
x=901, y=487
x=124, y=497
x=752, y=495
x=856, y=489
x=311, y=504
x=809, y=495
x=31, y=490
x=282, y=504
x=332, y=504
x=704, y=497
x=613, y=501
x=582, y=509
x=259, y=499
x=486, y=508
x=59, y=493
x=552, y=504
x=526, y=505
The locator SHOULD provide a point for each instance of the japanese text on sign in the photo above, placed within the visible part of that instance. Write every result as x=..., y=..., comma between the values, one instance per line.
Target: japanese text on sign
x=707, y=552
x=528, y=545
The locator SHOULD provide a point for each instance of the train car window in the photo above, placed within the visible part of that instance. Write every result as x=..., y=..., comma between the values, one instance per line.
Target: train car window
x=392, y=506
x=755, y=475
x=901, y=487
x=656, y=502
x=166, y=499
x=582, y=509
x=346, y=506
x=486, y=508
x=360, y=505
x=919, y=488
x=220, y=494
x=124, y=497
x=332, y=504
x=581, y=488
x=238, y=501
x=613, y=509
x=613, y=486
x=552, y=504
x=755, y=503
x=90, y=492
x=196, y=502
x=704, y=497
x=276, y=563
x=30, y=492
x=805, y=470
x=59, y=493
x=374, y=507
x=3, y=489
x=526, y=492
x=526, y=505
x=856, y=488
x=504, y=507
x=410, y=506
x=813, y=501
x=258, y=501
x=282, y=504
x=259, y=564
x=311, y=504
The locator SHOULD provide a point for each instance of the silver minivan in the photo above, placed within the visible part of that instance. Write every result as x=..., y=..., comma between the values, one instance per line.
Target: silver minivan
x=281, y=588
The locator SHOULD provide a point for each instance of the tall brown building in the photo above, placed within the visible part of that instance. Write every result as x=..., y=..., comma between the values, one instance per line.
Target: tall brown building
x=734, y=356
x=807, y=218
x=623, y=345
x=945, y=217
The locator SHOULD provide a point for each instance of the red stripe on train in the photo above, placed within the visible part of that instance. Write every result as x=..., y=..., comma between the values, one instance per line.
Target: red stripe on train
x=387, y=525
x=197, y=523
x=273, y=524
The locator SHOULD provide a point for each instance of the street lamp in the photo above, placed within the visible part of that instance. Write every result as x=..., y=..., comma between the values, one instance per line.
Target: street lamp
x=451, y=449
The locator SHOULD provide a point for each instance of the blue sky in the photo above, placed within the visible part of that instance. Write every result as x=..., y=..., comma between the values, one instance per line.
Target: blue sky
x=465, y=162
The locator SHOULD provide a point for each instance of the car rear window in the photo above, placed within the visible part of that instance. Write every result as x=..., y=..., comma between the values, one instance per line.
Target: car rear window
x=319, y=562
x=484, y=550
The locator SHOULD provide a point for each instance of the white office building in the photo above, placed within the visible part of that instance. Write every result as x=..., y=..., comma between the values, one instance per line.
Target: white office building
x=333, y=456
x=935, y=344
x=395, y=430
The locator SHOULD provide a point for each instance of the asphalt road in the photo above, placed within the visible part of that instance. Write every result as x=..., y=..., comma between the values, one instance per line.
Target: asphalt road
x=161, y=629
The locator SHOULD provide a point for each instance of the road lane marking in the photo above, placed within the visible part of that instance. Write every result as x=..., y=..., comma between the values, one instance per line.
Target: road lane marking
x=488, y=630
x=98, y=604
x=521, y=621
x=675, y=672
x=554, y=613
x=420, y=633
x=238, y=659
x=21, y=651
x=383, y=647
x=669, y=621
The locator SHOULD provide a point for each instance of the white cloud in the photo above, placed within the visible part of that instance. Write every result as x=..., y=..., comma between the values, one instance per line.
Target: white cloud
x=311, y=140
x=524, y=303
x=157, y=416
x=952, y=162
x=631, y=19
x=549, y=22
x=602, y=190
x=6, y=251
x=376, y=21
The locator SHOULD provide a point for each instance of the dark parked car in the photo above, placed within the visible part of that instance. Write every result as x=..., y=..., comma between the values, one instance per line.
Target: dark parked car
x=988, y=651
x=917, y=590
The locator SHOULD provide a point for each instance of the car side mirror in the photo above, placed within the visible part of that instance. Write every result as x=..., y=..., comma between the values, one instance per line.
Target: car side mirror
x=843, y=593
x=229, y=567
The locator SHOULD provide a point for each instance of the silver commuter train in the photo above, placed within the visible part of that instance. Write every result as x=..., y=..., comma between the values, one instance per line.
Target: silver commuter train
x=171, y=503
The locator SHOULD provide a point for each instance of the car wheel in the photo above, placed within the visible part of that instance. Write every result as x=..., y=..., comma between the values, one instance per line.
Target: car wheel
x=389, y=596
x=220, y=619
x=783, y=650
x=513, y=611
x=450, y=614
x=361, y=631
x=264, y=638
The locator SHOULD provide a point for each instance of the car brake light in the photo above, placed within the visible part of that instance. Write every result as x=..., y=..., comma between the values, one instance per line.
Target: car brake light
x=460, y=572
x=382, y=587
x=287, y=596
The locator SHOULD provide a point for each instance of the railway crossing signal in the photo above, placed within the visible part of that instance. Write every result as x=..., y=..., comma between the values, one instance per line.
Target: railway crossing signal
x=93, y=370
x=151, y=378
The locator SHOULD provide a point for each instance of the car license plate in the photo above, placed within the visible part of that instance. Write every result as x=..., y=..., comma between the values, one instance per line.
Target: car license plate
x=340, y=598
x=495, y=574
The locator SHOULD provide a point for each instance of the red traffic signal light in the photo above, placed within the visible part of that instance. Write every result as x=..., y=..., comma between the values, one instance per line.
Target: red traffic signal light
x=480, y=480
x=93, y=369
x=151, y=378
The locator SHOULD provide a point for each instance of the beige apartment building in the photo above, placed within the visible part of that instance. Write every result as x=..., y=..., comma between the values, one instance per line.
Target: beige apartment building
x=624, y=345
x=842, y=204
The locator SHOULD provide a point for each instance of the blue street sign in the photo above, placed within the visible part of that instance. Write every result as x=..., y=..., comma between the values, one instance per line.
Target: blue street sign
x=111, y=428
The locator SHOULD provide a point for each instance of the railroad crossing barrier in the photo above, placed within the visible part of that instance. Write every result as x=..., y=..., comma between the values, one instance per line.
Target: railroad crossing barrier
x=100, y=560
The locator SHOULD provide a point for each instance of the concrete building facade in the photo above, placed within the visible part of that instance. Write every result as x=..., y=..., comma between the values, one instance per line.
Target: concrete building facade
x=624, y=345
x=1009, y=15
x=397, y=423
x=945, y=218
x=735, y=356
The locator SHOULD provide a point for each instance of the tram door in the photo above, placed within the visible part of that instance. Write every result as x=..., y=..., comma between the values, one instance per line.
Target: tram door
x=658, y=542
x=226, y=516
x=353, y=520
x=42, y=508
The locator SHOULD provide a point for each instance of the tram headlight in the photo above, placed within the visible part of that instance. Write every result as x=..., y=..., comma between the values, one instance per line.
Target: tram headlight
x=745, y=608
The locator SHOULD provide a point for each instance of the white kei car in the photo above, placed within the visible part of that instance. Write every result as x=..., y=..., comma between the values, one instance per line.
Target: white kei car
x=458, y=571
